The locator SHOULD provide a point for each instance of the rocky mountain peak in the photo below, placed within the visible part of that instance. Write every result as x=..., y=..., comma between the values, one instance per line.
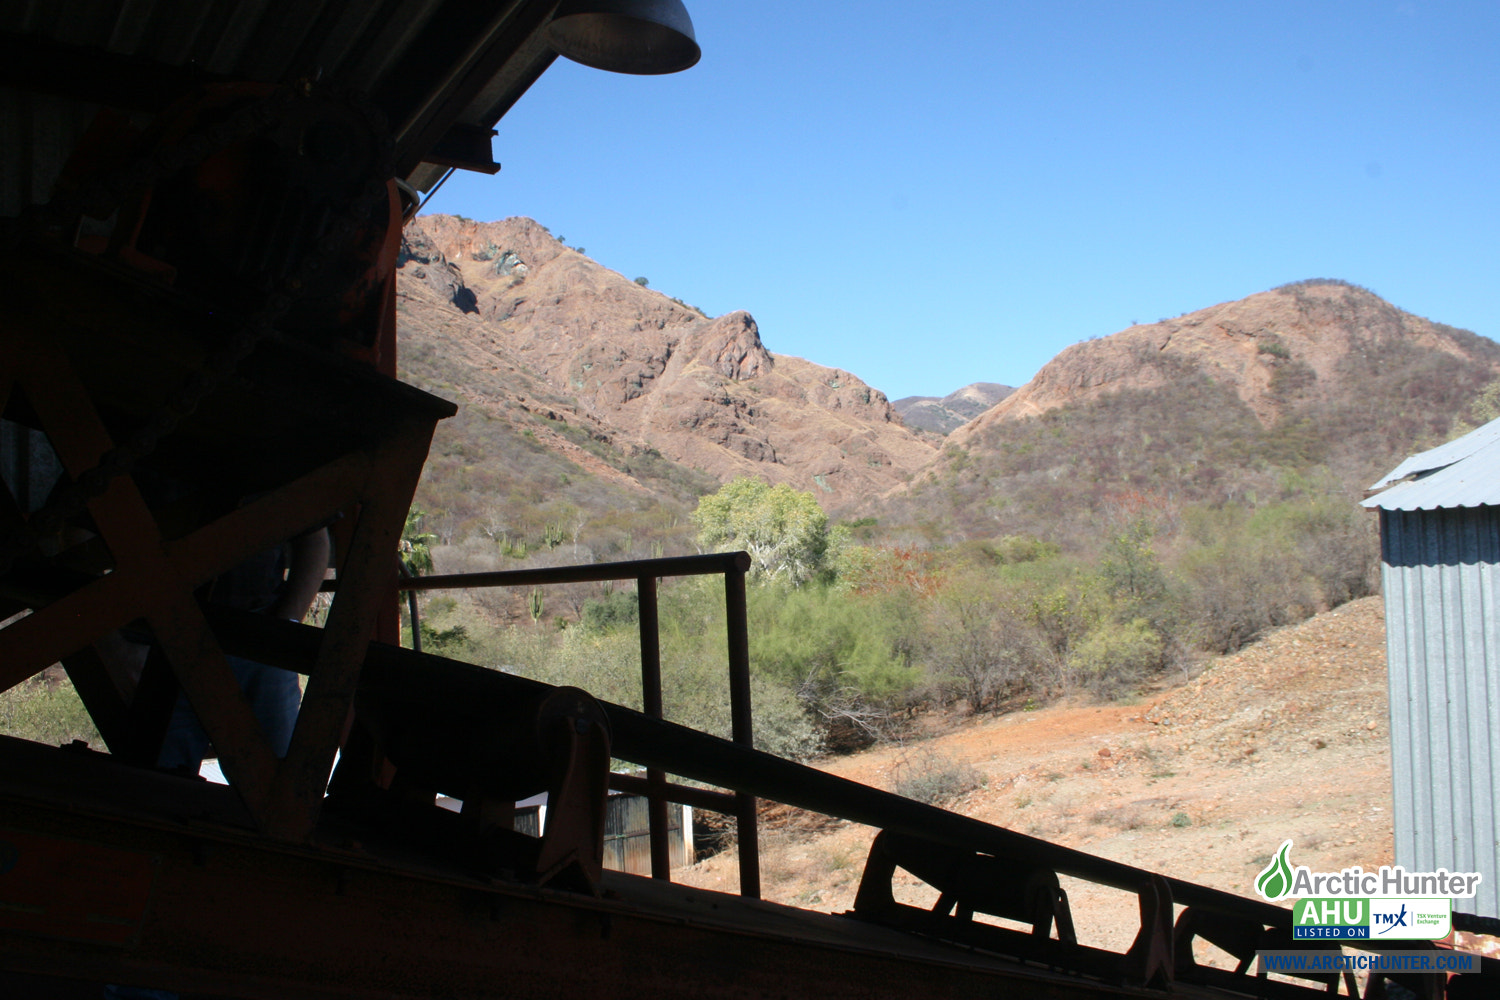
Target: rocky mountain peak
x=731, y=346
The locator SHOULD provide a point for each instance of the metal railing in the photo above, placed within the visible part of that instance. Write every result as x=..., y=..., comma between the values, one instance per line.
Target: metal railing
x=1162, y=951
x=654, y=786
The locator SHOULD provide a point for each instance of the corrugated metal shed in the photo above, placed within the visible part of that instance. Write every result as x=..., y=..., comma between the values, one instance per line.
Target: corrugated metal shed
x=627, y=829
x=1440, y=548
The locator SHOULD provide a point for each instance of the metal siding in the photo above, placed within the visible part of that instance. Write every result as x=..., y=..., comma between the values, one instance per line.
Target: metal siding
x=37, y=134
x=627, y=835
x=1443, y=650
x=1398, y=656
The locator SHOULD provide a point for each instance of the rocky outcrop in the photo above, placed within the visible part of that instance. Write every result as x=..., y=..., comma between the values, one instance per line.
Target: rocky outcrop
x=420, y=260
x=732, y=347
x=656, y=373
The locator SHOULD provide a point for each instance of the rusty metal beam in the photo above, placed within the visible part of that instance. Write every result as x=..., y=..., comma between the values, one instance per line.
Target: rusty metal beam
x=513, y=49
x=269, y=520
x=701, y=565
x=678, y=750
x=97, y=690
x=201, y=909
x=742, y=727
x=656, y=779
x=155, y=580
x=367, y=576
x=150, y=710
x=698, y=798
x=144, y=582
x=49, y=634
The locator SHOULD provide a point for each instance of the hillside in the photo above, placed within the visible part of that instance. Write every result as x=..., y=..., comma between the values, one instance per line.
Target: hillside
x=1277, y=350
x=520, y=458
x=640, y=371
x=1316, y=385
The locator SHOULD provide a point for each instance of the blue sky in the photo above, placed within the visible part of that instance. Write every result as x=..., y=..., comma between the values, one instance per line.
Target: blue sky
x=935, y=194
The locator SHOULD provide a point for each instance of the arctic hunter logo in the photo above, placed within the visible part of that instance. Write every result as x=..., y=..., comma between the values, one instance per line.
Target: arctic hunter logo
x=1353, y=903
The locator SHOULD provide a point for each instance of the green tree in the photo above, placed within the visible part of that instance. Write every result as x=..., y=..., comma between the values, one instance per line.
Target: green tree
x=784, y=530
x=831, y=646
x=1130, y=569
x=617, y=609
x=1484, y=408
x=416, y=551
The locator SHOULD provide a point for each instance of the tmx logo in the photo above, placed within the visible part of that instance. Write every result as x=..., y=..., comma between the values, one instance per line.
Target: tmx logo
x=1390, y=920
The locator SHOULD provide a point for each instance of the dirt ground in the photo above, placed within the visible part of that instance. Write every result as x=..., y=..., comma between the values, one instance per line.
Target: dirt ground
x=1201, y=780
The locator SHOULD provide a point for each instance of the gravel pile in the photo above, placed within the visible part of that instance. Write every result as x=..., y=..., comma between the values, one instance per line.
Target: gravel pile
x=1301, y=689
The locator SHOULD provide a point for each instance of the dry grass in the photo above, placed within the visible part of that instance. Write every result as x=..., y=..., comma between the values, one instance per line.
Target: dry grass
x=47, y=709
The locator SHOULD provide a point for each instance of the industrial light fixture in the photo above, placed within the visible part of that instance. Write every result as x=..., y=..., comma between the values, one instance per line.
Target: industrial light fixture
x=643, y=37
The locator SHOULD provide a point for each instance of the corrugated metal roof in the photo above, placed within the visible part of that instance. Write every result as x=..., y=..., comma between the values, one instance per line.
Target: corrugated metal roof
x=1464, y=472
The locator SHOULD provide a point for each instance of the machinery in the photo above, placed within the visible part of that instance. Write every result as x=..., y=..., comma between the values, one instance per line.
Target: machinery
x=200, y=211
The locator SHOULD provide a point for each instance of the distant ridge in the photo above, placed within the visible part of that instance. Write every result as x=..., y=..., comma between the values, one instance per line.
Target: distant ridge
x=941, y=414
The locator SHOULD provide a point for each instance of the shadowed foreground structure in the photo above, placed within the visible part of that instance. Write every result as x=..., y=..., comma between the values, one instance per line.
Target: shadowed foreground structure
x=201, y=210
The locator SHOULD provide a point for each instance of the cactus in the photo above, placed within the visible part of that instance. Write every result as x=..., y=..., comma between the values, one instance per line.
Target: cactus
x=536, y=604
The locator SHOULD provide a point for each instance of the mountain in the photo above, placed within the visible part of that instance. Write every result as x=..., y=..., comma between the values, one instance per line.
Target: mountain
x=522, y=464
x=1277, y=350
x=941, y=414
x=1314, y=385
x=644, y=394
x=590, y=398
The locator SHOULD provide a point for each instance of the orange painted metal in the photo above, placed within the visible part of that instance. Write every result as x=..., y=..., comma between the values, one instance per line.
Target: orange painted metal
x=73, y=890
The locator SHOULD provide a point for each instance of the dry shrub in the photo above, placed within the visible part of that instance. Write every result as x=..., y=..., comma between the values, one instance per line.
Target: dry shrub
x=800, y=824
x=934, y=778
x=1119, y=818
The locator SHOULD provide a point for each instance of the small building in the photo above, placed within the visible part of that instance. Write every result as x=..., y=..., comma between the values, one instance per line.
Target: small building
x=627, y=829
x=1440, y=555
